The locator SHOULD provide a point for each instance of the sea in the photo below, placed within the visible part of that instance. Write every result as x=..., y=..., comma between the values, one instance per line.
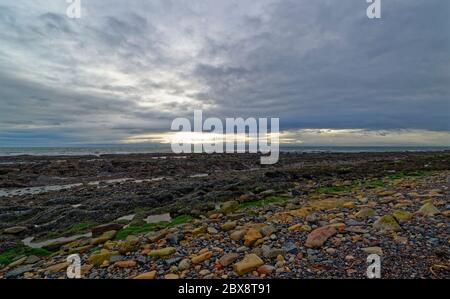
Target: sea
x=101, y=150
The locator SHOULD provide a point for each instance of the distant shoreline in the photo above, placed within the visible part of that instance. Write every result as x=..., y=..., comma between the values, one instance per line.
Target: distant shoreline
x=127, y=150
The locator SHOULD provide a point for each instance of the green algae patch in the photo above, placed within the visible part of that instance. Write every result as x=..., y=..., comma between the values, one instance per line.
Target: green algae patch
x=148, y=227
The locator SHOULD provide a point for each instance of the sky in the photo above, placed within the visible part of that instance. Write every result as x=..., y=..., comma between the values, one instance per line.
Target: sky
x=127, y=69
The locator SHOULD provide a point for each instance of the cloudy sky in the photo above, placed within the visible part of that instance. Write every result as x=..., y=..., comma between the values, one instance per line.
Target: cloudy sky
x=127, y=68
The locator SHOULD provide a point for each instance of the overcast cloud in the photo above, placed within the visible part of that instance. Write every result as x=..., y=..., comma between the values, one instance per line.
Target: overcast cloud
x=130, y=67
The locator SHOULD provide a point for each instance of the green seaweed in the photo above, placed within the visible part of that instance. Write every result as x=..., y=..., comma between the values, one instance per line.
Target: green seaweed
x=10, y=255
x=139, y=229
x=264, y=202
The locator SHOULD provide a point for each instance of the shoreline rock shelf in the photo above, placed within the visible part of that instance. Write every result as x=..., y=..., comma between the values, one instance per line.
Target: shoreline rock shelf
x=325, y=229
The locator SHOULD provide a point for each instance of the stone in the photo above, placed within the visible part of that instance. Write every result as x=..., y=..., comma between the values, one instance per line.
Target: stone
x=265, y=269
x=212, y=230
x=228, y=258
x=365, y=213
x=185, y=264
x=428, y=210
x=130, y=244
x=18, y=262
x=58, y=267
x=156, y=236
x=320, y=235
x=171, y=276
x=290, y=247
x=116, y=258
x=14, y=230
x=201, y=257
x=251, y=237
x=387, y=223
x=98, y=258
x=269, y=252
x=175, y=238
x=242, y=249
x=19, y=271
x=32, y=259
x=402, y=216
x=125, y=264
x=199, y=231
x=295, y=227
x=146, y=275
x=106, y=236
x=229, y=206
x=249, y=263
x=267, y=230
x=162, y=252
x=173, y=260
x=373, y=250
x=229, y=225
x=237, y=235
x=99, y=230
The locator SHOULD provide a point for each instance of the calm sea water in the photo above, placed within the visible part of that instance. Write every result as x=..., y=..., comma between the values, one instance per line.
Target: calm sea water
x=42, y=151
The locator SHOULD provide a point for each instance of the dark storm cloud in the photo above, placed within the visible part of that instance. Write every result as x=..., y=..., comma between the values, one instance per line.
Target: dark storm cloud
x=128, y=68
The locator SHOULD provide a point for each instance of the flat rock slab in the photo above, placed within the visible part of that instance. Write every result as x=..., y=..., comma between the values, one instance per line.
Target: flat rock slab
x=158, y=218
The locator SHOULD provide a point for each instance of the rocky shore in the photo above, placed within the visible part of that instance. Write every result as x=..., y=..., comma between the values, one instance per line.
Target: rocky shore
x=225, y=216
